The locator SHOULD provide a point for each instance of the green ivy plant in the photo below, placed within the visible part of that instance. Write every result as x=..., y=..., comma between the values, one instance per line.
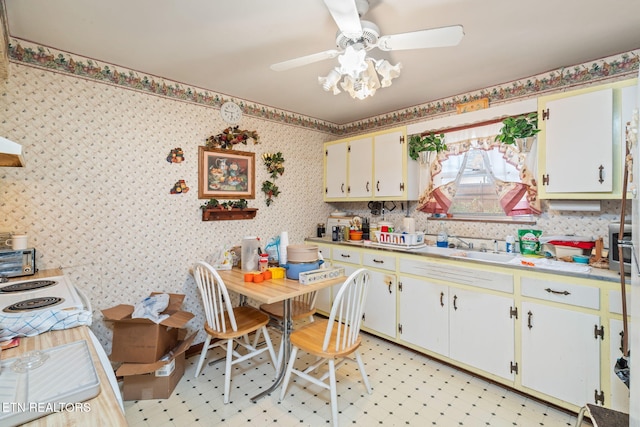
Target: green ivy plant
x=273, y=162
x=271, y=190
x=518, y=127
x=429, y=142
x=231, y=204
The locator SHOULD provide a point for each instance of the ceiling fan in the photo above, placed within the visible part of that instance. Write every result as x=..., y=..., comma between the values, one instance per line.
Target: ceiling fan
x=355, y=38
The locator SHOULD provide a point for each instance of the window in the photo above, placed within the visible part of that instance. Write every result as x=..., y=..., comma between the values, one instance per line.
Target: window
x=477, y=176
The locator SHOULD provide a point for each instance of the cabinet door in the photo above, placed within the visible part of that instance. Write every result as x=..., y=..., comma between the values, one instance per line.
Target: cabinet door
x=380, y=307
x=361, y=168
x=481, y=331
x=324, y=300
x=424, y=314
x=390, y=154
x=560, y=354
x=619, y=391
x=335, y=171
x=579, y=131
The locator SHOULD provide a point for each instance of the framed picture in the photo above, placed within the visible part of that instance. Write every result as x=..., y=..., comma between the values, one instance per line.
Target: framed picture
x=226, y=174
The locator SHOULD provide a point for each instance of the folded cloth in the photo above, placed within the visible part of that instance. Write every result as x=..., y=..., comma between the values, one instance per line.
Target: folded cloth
x=151, y=307
x=550, y=264
x=37, y=322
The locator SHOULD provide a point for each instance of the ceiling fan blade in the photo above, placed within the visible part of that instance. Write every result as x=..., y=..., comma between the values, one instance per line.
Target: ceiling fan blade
x=345, y=13
x=305, y=60
x=434, y=37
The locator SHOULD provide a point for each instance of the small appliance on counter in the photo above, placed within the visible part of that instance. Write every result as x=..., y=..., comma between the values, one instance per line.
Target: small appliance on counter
x=17, y=263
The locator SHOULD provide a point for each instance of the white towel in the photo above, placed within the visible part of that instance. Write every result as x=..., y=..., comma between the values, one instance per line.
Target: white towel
x=550, y=264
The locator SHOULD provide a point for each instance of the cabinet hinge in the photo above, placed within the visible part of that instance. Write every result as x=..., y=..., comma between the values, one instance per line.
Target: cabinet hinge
x=545, y=179
x=326, y=152
x=545, y=114
x=513, y=312
x=402, y=186
x=348, y=149
x=513, y=367
x=400, y=286
x=598, y=397
x=401, y=139
x=400, y=327
x=598, y=332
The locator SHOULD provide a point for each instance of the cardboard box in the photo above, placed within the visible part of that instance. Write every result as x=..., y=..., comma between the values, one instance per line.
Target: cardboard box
x=141, y=340
x=143, y=381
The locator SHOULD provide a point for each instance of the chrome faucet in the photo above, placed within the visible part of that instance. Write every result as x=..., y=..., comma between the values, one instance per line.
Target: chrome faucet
x=469, y=245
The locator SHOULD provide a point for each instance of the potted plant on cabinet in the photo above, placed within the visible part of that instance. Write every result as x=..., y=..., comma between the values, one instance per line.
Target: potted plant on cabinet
x=420, y=146
x=519, y=131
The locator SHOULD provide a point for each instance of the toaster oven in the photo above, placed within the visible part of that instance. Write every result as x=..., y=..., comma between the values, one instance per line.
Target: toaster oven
x=614, y=252
x=17, y=263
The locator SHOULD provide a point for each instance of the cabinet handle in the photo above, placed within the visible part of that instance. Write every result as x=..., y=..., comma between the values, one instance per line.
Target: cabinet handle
x=600, y=173
x=345, y=255
x=367, y=186
x=389, y=283
x=378, y=185
x=529, y=316
x=455, y=299
x=441, y=299
x=342, y=187
x=551, y=291
x=378, y=261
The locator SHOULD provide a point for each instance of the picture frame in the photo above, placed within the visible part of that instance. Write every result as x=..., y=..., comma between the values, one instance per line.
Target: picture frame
x=226, y=174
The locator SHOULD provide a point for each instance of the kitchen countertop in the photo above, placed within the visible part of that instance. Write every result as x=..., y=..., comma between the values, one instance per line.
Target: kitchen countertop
x=104, y=408
x=594, y=274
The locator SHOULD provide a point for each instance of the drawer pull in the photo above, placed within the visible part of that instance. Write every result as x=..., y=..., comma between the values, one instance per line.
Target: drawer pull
x=551, y=291
x=529, y=316
x=378, y=261
x=455, y=299
x=441, y=299
x=345, y=255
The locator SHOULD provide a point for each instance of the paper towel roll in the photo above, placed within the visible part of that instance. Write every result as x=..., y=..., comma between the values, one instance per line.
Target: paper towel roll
x=409, y=224
x=284, y=242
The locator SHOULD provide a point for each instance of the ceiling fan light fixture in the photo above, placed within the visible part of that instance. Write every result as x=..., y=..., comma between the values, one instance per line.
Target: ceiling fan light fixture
x=387, y=71
x=330, y=83
x=352, y=61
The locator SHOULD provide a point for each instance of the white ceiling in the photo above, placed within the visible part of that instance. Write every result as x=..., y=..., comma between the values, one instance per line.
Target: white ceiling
x=227, y=46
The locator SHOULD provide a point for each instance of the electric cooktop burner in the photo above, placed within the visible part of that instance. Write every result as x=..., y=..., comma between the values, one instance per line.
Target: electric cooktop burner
x=33, y=304
x=27, y=286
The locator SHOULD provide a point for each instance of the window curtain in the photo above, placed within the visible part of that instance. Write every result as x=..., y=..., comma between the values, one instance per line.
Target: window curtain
x=516, y=198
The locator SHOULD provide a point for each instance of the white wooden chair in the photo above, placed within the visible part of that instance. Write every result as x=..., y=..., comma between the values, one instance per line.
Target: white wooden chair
x=302, y=307
x=333, y=339
x=228, y=325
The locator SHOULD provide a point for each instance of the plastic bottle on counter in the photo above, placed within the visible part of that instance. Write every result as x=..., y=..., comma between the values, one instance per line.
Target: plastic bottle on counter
x=263, y=263
x=511, y=241
x=443, y=237
x=249, y=253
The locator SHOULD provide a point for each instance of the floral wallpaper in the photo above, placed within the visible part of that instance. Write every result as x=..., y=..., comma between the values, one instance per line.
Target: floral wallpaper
x=95, y=196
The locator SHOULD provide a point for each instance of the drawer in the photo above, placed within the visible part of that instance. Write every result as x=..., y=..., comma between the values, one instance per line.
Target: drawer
x=379, y=260
x=345, y=255
x=325, y=251
x=566, y=293
x=502, y=282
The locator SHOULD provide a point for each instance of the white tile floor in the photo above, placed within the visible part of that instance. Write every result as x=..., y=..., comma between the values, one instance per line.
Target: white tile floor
x=409, y=389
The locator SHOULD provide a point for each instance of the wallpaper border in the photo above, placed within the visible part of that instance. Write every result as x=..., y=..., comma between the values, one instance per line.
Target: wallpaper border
x=612, y=67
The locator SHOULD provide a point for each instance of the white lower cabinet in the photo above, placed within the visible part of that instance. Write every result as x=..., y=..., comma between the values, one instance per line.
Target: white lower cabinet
x=481, y=331
x=472, y=327
x=619, y=391
x=380, y=307
x=424, y=314
x=561, y=342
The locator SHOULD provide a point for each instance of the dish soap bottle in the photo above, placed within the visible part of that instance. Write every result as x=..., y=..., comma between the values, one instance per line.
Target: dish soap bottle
x=443, y=237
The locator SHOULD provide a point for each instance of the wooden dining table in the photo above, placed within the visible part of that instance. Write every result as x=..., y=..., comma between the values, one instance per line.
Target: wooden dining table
x=271, y=291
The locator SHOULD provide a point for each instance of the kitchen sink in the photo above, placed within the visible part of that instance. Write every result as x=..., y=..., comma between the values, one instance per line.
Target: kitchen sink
x=498, y=257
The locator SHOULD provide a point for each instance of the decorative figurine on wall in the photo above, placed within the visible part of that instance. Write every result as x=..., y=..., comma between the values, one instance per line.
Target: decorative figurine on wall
x=273, y=162
x=230, y=137
x=180, y=187
x=176, y=156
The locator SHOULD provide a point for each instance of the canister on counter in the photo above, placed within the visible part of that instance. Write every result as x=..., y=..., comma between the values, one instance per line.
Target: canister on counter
x=320, y=230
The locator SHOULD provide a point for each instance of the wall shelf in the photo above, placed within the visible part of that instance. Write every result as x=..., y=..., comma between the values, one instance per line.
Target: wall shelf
x=228, y=214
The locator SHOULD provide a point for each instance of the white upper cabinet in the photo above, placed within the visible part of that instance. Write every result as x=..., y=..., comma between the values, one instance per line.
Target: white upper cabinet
x=581, y=143
x=369, y=167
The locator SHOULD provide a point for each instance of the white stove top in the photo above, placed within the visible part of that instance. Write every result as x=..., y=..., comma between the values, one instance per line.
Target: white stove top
x=49, y=287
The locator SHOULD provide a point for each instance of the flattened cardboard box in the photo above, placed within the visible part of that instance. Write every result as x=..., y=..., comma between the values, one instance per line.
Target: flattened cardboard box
x=142, y=340
x=142, y=381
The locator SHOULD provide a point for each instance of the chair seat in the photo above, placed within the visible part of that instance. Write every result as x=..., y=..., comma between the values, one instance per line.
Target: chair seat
x=248, y=320
x=310, y=338
x=299, y=310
